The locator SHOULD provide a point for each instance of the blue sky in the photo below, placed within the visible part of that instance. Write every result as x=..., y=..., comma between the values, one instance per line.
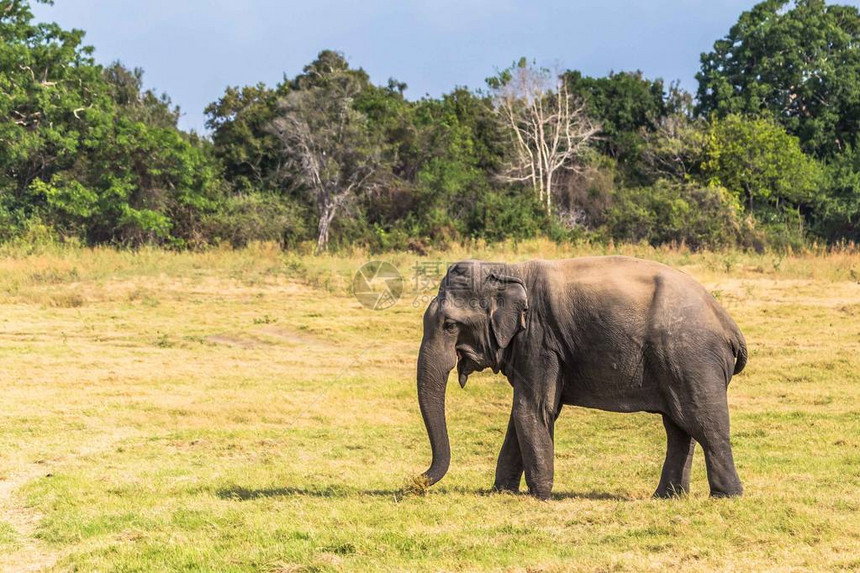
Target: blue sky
x=193, y=49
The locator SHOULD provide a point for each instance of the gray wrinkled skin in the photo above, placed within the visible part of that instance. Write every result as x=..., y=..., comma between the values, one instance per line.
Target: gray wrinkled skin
x=613, y=333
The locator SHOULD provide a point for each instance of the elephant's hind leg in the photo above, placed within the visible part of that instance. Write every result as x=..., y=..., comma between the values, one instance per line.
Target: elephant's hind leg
x=675, y=479
x=710, y=427
x=722, y=474
x=509, y=469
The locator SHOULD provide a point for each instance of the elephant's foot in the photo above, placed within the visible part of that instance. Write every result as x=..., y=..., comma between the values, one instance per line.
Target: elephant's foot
x=540, y=486
x=541, y=494
x=541, y=490
x=733, y=492
x=508, y=478
x=502, y=489
x=507, y=486
x=671, y=490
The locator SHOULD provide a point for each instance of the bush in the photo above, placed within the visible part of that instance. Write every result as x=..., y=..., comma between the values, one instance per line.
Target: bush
x=776, y=229
x=667, y=212
x=501, y=215
x=256, y=217
x=9, y=227
x=837, y=214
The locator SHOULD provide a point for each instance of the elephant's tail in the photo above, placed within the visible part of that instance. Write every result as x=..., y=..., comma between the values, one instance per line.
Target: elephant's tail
x=739, y=346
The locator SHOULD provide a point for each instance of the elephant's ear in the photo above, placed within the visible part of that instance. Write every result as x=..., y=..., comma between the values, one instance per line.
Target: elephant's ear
x=508, y=310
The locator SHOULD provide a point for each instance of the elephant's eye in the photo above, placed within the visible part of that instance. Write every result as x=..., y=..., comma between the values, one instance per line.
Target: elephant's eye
x=450, y=326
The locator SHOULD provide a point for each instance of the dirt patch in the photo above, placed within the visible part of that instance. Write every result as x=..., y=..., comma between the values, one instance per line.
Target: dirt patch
x=31, y=553
x=231, y=340
x=292, y=337
x=850, y=309
x=801, y=292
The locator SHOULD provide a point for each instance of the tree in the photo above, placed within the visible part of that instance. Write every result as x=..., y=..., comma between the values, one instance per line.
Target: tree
x=799, y=64
x=837, y=216
x=760, y=163
x=85, y=148
x=624, y=104
x=52, y=97
x=675, y=149
x=548, y=126
x=244, y=144
x=326, y=142
x=127, y=91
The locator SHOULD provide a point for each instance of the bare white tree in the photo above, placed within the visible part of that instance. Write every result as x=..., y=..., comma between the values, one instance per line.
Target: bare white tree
x=549, y=128
x=327, y=145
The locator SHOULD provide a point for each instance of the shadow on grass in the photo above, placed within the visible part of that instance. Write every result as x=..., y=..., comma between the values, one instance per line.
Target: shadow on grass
x=593, y=495
x=245, y=494
x=239, y=493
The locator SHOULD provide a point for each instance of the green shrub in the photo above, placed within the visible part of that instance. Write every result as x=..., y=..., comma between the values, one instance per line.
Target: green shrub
x=667, y=212
x=500, y=215
x=776, y=229
x=837, y=214
x=9, y=227
x=256, y=217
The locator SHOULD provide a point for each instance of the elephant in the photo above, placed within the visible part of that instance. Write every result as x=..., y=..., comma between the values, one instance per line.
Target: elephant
x=613, y=333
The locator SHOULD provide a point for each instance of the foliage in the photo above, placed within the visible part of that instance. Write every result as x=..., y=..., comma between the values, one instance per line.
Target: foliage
x=512, y=215
x=759, y=163
x=626, y=104
x=676, y=148
x=244, y=219
x=837, y=214
x=86, y=150
x=89, y=154
x=46, y=113
x=797, y=62
x=669, y=212
x=325, y=142
x=244, y=144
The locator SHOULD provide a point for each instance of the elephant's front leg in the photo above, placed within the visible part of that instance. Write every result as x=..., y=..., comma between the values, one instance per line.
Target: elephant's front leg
x=534, y=418
x=509, y=469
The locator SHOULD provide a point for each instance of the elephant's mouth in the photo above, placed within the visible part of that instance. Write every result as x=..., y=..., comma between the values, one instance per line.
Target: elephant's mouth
x=467, y=363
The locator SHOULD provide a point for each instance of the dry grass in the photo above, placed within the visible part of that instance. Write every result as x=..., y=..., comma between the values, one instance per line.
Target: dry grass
x=239, y=410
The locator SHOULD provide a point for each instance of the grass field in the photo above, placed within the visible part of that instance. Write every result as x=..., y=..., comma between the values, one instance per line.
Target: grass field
x=239, y=410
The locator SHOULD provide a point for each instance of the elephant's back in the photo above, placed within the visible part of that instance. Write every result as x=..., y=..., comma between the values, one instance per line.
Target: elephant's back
x=633, y=304
x=617, y=281
x=633, y=330
x=629, y=281
x=616, y=267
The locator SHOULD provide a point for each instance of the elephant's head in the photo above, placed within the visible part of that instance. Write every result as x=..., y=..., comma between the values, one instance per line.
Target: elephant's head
x=478, y=312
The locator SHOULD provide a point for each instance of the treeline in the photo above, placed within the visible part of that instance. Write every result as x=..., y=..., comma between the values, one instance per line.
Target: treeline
x=764, y=155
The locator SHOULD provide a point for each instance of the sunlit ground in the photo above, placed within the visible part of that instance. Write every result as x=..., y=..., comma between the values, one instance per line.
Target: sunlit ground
x=239, y=410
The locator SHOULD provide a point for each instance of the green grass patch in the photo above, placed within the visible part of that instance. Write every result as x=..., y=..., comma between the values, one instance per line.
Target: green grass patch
x=253, y=416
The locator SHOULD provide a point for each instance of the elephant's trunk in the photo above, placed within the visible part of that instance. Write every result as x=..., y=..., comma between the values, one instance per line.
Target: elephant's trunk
x=432, y=381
